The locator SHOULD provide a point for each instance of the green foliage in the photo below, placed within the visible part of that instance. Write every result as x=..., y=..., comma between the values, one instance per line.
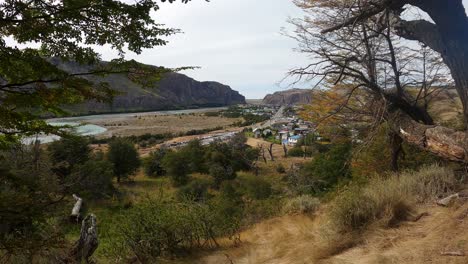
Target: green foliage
x=69, y=152
x=32, y=84
x=221, y=173
x=93, y=179
x=255, y=187
x=30, y=200
x=296, y=152
x=124, y=158
x=329, y=168
x=196, y=190
x=322, y=173
x=212, y=114
x=177, y=167
x=158, y=228
x=153, y=164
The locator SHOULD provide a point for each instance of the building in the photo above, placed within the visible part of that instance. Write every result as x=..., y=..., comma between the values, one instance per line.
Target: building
x=257, y=133
x=292, y=141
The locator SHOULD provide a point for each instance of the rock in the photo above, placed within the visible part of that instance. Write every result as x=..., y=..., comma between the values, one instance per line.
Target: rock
x=289, y=97
x=173, y=91
x=447, y=200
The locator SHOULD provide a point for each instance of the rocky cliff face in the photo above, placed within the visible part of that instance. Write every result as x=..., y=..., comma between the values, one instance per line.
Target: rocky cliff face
x=174, y=91
x=289, y=97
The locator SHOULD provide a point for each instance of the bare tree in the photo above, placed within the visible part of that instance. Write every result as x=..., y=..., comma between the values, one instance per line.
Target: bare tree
x=270, y=151
x=354, y=43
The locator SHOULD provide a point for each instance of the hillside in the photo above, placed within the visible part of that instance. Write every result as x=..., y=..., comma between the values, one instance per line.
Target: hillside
x=289, y=97
x=174, y=91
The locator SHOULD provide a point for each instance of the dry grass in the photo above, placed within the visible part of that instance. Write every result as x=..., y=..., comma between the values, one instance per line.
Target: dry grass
x=303, y=204
x=302, y=239
x=159, y=124
x=382, y=203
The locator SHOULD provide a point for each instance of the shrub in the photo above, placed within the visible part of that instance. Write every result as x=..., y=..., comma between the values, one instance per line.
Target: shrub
x=196, y=190
x=159, y=228
x=93, y=179
x=296, y=152
x=255, y=187
x=222, y=173
x=280, y=168
x=327, y=169
x=301, y=204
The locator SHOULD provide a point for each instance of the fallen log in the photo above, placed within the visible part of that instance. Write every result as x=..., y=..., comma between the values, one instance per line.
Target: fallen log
x=75, y=213
x=453, y=254
x=447, y=200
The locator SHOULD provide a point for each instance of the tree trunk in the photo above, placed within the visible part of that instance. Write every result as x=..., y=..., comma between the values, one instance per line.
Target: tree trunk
x=285, y=149
x=88, y=241
x=444, y=142
x=456, y=59
x=270, y=150
x=396, y=146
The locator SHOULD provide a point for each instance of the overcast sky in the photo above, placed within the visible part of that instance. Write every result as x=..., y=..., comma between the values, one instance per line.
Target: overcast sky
x=235, y=42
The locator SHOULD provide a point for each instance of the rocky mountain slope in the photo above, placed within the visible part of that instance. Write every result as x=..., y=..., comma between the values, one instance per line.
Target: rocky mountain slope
x=289, y=97
x=174, y=91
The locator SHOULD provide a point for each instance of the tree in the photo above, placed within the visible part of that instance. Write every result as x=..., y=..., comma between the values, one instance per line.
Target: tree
x=93, y=179
x=356, y=48
x=31, y=198
x=124, y=158
x=31, y=84
x=178, y=167
x=153, y=164
x=69, y=152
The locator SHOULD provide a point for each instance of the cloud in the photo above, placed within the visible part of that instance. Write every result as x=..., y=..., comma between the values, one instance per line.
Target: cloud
x=235, y=42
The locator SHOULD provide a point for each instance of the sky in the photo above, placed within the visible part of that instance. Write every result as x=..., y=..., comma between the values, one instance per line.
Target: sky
x=235, y=42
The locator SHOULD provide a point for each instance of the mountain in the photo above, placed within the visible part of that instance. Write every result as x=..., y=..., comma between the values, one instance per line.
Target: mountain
x=174, y=91
x=289, y=97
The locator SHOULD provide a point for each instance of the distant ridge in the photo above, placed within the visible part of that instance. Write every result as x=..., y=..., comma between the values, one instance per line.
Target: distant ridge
x=289, y=97
x=174, y=91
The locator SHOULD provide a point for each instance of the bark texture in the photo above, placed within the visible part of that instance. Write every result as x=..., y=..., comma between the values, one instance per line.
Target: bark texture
x=88, y=241
x=442, y=141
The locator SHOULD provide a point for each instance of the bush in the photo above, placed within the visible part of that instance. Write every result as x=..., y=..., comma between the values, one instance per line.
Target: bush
x=296, y=152
x=301, y=205
x=280, y=168
x=157, y=228
x=93, y=179
x=196, y=190
x=327, y=169
x=255, y=187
